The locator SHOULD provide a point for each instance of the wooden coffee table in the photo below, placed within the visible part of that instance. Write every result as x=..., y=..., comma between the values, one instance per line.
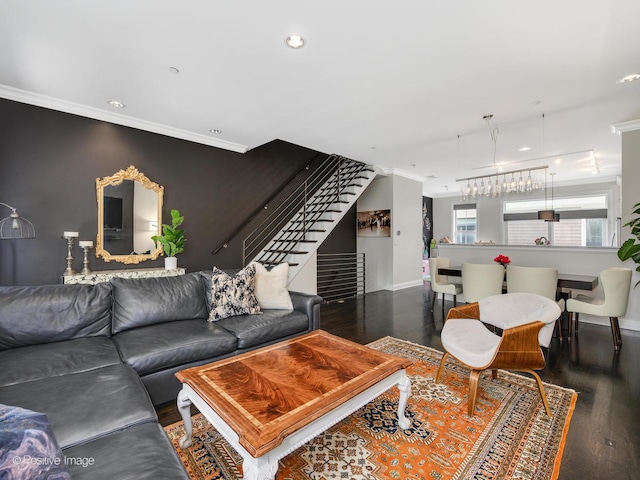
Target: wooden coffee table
x=270, y=401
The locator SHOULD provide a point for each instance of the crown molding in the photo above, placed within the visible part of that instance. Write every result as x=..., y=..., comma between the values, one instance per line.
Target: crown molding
x=402, y=173
x=66, y=106
x=622, y=127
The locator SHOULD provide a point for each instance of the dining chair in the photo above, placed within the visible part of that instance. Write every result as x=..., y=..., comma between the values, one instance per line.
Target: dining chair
x=616, y=283
x=481, y=280
x=440, y=283
x=527, y=322
x=540, y=280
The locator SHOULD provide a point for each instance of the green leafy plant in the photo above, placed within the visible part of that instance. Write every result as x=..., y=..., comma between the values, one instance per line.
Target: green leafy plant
x=630, y=249
x=172, y=238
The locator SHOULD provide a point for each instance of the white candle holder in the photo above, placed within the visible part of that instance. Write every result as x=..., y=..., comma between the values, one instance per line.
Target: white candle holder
x=86, y=246
x=69, y=237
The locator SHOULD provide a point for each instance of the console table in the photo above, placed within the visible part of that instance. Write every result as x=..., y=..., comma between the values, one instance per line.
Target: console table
x=106, y=275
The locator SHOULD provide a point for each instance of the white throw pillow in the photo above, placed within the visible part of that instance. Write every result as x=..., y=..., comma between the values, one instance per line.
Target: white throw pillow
x=271, y=287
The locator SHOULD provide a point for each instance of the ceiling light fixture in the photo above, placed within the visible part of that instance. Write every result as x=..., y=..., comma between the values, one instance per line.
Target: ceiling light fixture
x=215, y=130
x=116, y=104
x=524, y=149
x=630, y=78
x=294, y=41
x=174, y=70
x=501, y=182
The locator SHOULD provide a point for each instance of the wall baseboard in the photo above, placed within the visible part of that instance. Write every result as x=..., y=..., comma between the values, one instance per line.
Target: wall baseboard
x=401, y=286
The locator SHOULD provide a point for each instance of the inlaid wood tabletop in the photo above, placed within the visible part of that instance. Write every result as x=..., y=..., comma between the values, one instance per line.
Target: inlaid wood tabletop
x=266, y=394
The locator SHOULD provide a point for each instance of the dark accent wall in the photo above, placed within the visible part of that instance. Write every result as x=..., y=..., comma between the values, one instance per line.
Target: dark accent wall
x=343, y=236
x=49, y=162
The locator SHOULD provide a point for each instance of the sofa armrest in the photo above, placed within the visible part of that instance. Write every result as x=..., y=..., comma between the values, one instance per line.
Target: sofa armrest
x=309, y=305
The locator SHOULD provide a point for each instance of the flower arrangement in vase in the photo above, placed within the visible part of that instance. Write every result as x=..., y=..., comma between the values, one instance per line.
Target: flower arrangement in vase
x=502, y=260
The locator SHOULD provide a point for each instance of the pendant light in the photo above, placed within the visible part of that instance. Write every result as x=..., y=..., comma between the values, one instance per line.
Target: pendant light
x=546, y=214
x=15, y=226
x=556, y=216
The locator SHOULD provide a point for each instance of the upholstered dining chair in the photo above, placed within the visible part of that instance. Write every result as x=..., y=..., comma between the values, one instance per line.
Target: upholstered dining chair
x=540, y=280
x=527, y=322
x=440, y=283
x=616, y=283
x=481, y=280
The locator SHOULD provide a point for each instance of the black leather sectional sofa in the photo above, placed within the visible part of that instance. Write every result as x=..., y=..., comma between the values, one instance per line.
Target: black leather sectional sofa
x=97, y=358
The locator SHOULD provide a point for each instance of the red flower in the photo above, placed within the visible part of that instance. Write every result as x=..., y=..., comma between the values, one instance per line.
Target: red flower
x=502, y=259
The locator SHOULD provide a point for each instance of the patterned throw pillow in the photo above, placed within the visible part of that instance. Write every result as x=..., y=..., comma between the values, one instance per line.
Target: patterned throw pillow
x=233, y=295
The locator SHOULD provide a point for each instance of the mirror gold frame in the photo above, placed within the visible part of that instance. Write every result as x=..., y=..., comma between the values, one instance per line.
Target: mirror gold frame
x=130, y=173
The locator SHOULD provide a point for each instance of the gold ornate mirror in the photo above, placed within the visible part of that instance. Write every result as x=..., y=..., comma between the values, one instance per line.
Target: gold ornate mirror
x=129, y=213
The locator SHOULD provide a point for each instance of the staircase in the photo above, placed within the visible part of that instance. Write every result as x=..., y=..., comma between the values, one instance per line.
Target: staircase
x=294, y=231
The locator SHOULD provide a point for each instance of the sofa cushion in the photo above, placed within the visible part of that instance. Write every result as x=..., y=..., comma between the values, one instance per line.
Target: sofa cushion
x=139, y=452
x=51, y=313
x=233, y=295
x=271, y=287
x=28, y=447
x=87, y=405
x=157, y=347
x=59, y=358
x=145, y=301
x=253, y=330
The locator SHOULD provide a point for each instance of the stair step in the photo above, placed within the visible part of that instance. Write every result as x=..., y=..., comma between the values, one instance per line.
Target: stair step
x=292, y=252
x=269, y=264
x=332, y=210
x=334, y=194
x=318, y=220
x=293, y=240
x=314, y=230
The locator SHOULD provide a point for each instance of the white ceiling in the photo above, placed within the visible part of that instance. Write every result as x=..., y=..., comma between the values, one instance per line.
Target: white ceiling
x=387, y=83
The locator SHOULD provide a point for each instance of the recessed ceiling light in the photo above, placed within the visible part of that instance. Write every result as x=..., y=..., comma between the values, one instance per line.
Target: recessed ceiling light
x=524, y=149
x=536, y=102
x=116, y=104
x=174, y=70
x=294, y=41
x=630, y=78
x=215, y=130
x=558, y=160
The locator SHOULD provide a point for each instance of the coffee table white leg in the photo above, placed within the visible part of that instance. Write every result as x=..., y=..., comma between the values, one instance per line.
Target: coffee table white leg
x=261, y=468
x=404, y=385
x=184, y=407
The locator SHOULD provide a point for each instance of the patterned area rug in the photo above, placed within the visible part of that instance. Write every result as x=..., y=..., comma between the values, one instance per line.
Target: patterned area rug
x=509, y=437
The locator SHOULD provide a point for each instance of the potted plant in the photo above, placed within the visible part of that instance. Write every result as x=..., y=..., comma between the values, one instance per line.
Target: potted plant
x=630, y=249
x=172, y=240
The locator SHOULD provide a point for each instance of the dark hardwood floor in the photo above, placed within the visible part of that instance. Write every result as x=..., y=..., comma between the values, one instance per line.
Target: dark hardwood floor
x=604, y=435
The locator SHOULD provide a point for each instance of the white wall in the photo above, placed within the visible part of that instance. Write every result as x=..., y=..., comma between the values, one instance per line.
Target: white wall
x=378, y=251
x=395, y=262
x=406, y=223
x=490, y=210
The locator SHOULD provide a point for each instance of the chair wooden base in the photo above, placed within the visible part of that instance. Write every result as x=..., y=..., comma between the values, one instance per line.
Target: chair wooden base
x=474, y=378
x=574, y=318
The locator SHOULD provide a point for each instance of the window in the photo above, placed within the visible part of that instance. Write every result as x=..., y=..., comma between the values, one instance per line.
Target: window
x=466, y=223
x=583, y=222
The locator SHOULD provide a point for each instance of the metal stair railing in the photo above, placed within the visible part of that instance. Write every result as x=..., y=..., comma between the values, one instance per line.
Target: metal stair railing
x=341, y=275
x=302, y=211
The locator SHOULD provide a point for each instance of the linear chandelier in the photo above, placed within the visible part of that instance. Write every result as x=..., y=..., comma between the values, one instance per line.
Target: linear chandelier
x=502, y=183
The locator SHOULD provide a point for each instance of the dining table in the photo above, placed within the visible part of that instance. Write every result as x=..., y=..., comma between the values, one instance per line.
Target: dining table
x=566, y=283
